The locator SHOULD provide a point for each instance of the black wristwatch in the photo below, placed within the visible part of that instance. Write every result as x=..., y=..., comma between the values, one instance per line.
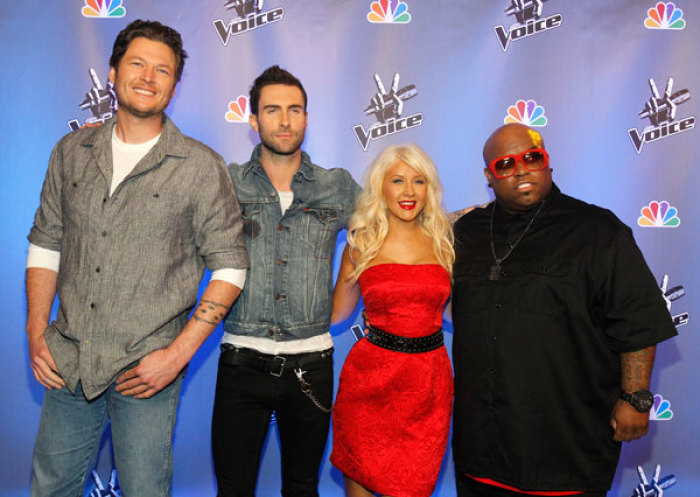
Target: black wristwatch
x=641, y=400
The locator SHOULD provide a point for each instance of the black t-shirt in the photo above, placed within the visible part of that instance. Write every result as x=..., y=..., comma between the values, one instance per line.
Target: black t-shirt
x=536, y=351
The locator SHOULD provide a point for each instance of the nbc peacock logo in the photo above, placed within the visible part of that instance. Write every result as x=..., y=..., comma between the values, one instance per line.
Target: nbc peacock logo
x=526, y=112
x=238, y=110
x=659, y=215
x=664, y=16
x=661, y=411
x=105, y=9
x=389, y=12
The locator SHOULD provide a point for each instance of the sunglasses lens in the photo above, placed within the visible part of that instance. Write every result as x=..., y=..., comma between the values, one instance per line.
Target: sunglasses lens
x=534, y=160
x=504, y=167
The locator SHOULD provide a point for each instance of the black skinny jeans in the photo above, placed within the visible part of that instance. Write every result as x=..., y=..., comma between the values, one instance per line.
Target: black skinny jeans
x=245, y=399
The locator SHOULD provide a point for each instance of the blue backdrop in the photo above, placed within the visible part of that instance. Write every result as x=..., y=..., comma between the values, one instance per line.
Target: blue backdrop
x=579, y=70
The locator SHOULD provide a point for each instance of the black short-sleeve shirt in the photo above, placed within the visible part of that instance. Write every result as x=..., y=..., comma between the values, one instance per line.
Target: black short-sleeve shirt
x=536, y=351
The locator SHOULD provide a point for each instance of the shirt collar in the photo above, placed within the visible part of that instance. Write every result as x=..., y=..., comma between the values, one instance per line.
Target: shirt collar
x=171, y=141
x=306, y=169
x=524, y=216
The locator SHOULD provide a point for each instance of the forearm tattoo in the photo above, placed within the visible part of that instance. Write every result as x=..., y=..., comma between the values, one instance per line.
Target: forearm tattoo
x=636, y=368
x=210, y=312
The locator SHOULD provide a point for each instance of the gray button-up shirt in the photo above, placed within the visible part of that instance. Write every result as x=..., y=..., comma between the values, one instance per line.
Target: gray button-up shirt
x=131, y=263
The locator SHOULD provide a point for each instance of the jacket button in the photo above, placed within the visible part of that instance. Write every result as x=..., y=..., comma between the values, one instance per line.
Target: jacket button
x=280, y=227
x=270, y=332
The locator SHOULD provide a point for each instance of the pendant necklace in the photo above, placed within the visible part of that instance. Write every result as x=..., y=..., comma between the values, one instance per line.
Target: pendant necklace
x=495, y=271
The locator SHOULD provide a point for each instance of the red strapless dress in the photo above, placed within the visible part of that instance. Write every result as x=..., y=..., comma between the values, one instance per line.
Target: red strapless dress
x=391, y=418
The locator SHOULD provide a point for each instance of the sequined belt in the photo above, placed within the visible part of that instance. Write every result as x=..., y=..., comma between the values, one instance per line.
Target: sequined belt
x=389, y=341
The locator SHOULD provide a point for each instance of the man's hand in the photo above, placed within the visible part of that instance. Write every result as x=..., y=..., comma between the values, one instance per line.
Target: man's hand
x=160, y=368
x=628, y=423
x=156, y=371
x=43, y=365
x=41, y=290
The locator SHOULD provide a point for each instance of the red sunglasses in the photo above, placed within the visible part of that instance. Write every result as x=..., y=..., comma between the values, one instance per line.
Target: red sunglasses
x=533, y=159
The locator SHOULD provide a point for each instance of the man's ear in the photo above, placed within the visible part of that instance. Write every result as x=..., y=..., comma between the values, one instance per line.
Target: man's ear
x=489, y=176
x=253, y=121
x=112, y=74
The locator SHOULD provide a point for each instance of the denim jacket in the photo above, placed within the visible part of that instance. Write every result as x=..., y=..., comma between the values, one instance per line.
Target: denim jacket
x=288, y=289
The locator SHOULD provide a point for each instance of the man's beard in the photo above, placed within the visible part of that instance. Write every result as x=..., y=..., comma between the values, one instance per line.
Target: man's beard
x=293, y=148
x=141, y=114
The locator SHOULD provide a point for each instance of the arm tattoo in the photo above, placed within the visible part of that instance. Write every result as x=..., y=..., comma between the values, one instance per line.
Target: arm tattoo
x=636, y=369
x=210, y=312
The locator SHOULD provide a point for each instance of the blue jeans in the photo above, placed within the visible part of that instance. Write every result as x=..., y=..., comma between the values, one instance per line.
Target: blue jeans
x=70, y=432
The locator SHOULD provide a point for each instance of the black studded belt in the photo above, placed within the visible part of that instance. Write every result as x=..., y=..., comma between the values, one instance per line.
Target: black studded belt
x=389, y=341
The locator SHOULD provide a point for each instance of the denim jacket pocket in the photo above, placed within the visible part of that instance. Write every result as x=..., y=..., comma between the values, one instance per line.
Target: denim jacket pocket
x=322, y=222
x=250, y=213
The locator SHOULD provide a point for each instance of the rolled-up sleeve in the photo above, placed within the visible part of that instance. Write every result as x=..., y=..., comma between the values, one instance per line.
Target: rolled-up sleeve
x=217, y=220
x=47, y=231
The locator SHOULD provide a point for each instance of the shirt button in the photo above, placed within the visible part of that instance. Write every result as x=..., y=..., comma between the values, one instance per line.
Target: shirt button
x=494, y=338
x=97, y=269
x=92, y=305
x=104, y=200
x=492, y=372
x=498, y=305
x=104, y=233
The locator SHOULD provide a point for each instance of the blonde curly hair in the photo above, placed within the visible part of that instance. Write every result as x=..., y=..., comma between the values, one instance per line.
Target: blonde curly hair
x=370, y=223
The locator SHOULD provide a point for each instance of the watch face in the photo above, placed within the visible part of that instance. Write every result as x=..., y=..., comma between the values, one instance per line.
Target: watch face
x=642, y=400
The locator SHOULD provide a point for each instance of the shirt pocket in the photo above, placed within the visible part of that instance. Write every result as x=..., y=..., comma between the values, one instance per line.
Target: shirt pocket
x=77, y=205
x=545, y=288
x=250, y=214
x=322, y=225
x=472, y=289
